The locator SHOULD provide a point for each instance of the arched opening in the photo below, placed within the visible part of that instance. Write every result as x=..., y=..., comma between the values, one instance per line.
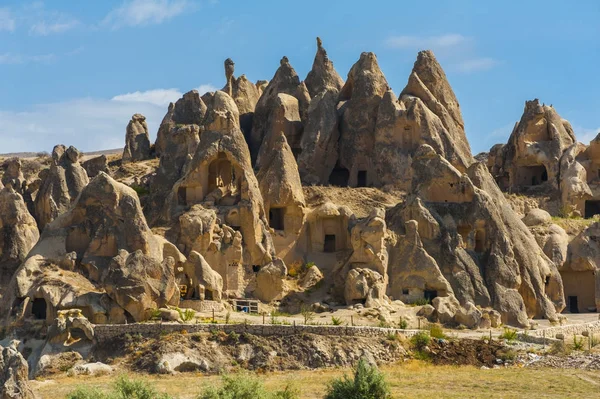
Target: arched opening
x=361, y=178
x=39, y=309
x=591, y=208
x=339, y=177
x=220, y=173
x=430, y=295
x=276, y=218
x=533, y=175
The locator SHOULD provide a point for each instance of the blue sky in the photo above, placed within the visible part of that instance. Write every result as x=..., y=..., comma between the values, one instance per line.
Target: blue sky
x=74, y=72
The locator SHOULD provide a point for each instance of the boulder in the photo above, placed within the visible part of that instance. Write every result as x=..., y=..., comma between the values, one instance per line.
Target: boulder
x=537, y=217
x=364, y=286
x=137, y=140
x=14, y=374
x=311, y=278
x=446, y=308
x=468, y=315
x=203, y=278
x=91, y=369
x=94, y=166
x=270, y=281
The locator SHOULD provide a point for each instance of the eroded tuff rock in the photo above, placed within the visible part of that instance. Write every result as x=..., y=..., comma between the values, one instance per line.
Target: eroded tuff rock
x=323, y=75
x=95, y=165
x=13, y=175
x=204, y=282
x=101, y=257
x=14, y=379
x=281, y=188
x=285, y=81
x=18, y=233
x=362, y=94
x=244, y=93
x=220, y=176
x=61, y=185
x=426, y=113
x=137, y=140
x=533, y=152
x=481, y=246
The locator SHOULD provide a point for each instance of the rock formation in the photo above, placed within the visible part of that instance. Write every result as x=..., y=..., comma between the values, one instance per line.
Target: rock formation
x=362, y=94
x=322, y=76
x=101, y=257
x=137, y=140
x=61, y=185
x=14, y=372
x=285, y=81
x=244, y=93
x=18, y=233
x=94, y=166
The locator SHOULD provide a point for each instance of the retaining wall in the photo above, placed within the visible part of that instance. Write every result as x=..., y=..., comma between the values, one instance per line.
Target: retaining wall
x=567, y=331
x=107, y=332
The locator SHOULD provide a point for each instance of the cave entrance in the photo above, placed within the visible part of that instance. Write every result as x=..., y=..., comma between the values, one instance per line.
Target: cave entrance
x=533, y=175
x=181, y=196
x=339, y=177
x=329, y=243
x=276, y=218
x=479, y=241
x=361, y=180
x=592, y=208
x=430, y=295
x=573, y=304
x=220, y=173
x=39, y=308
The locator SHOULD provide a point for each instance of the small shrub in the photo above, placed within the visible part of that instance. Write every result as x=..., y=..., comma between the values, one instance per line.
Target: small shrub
x=391, y=337
x=436, y=331
x=233, y=337
x=594, y=341
x=421, y=302
x=186, y=314
x=245, y=386
x=577, y=344
x=227, y=317
x=403, y=323
x=420, y=340
x=295, y=269
x=509, y=355
x=368, y=382
x=123, y=388
x=336, y=321
x=87, y=393
x=307, y=313
x=383, y=324
x=155, y=314
x=509, y=334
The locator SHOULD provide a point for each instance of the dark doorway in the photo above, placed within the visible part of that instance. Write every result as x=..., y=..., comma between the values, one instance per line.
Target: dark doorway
x=329, y=245
x=429, y=295
x=592, y=208
x=339, y=177
x=255, y=268
x=479, y=241
x=38, y=308
x=276, y=218
x=573, y=305
x=361, y=180
x=208, y=295
x=544, y=175
x=181, y=196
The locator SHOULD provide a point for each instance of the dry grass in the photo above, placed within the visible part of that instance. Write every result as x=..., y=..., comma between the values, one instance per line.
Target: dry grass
x=361, y=201
x=409, y=380
x=573, y=226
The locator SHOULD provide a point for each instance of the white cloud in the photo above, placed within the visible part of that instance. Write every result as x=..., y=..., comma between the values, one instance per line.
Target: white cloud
x=17, y=59
x=477, y=64
x=426, y=42
x=161, y=97
x=145, y=12
x=44, y=28
x=158, y=97
x=87, y=123
x=7, y=21
x=585, y=135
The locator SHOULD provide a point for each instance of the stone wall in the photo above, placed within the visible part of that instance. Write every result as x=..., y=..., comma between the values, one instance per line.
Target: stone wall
x=107, y=332
x=567, y=331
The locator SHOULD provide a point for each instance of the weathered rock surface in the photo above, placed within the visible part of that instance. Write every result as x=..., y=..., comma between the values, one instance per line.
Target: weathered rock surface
x=270, y=281
x=322, y=76
x=61, y=186
x=14, y=372
x=94, y=166
x=137, y=140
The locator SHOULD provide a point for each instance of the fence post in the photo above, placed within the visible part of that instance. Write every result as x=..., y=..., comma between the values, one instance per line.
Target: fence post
x=544, y=341
x=263, y=317
x=490, y=336
x=352, y=320
x=419, y=320
x=213, y=315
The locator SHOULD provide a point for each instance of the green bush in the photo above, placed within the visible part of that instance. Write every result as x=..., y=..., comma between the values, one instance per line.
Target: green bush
x=577, y=344
x=509, y=334
x=403, y=323
x=123, y=388
x=420, y=340
x=368, y=382
x=307, y=313
x=336, y=321
x=246, y=386
x=436, y=331
x=421, y=302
